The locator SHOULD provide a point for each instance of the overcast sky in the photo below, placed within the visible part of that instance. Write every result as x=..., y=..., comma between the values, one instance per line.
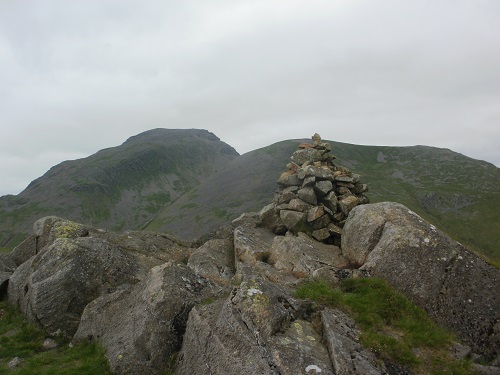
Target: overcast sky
x=78, y=76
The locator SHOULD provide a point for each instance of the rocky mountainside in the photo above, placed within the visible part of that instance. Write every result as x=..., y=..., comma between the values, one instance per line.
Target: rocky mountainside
x=228, y=304
x=119, y=187
x=233, y=302
x=458, y=194
x=187, y=182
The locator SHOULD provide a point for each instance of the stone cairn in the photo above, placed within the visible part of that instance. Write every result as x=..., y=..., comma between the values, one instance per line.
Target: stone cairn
x=315, y=196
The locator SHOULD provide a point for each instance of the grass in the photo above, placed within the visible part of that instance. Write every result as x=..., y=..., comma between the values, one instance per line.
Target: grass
x=5, y=249
x=391, y=326
x=19, y=338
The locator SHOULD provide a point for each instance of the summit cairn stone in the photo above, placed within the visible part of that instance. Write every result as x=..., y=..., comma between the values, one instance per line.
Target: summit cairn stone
x=313, y=184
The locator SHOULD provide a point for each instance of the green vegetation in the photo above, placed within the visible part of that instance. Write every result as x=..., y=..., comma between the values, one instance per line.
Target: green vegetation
x=219, y=212
x=391, y=326
x=19, y=338
x=5, y=249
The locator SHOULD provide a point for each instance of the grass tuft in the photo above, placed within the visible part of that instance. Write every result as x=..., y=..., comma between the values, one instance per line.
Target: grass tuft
x=391, y=326
x=22, y=339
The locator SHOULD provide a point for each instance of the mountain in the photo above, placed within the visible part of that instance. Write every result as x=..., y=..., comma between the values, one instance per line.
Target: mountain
x=458, y=194
x=117, y=188
x=188, y=182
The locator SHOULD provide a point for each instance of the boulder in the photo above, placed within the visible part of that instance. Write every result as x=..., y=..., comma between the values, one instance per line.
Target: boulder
x=454, y=286
x=301, y=256
x=214, y=260
x=258, y=329
x=53, y=287
x=141, y=327
x=252, y=244
x=342, y=340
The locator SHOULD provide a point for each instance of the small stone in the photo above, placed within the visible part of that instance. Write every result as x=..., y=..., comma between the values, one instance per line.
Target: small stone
x=285, y=197
x=292, y=219
x=341, y=190
x=330, y=201
x=309, y=181
x=334, y=230
x=289, y=179
x=321, y=234
x=305, y=145
x=14, y=363
x=344, y=179
x=49, y=344
x=360, y=188
x=299, y=205
x=315, y=213
x=345, y=184
x=321, y=173
x=307, y=195
x=323, y=187
x=322, y=222
x=307, y=154
x=348, y=203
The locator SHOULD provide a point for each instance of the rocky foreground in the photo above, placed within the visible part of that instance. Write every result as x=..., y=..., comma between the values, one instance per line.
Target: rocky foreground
x=226, y=303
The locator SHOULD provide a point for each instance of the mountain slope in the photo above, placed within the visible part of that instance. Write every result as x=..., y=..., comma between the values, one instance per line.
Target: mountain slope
x=458, y=194
x=120, y=187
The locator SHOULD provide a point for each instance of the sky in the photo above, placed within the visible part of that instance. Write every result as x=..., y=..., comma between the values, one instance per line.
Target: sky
x=79, y=76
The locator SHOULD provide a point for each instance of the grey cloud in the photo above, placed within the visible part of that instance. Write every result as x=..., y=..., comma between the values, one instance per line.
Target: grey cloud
x=80, y=76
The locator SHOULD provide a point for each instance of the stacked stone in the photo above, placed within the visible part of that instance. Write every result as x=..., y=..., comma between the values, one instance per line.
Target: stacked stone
x=315, y=195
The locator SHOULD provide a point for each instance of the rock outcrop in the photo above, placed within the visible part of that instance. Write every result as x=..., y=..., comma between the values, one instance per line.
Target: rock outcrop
x=456, y=288
x=314, y=194
x=225, y=304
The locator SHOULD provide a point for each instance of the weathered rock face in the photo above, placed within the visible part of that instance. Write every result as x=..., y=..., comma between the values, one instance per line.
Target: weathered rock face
x=71, y=265
x=53, y=287
x=214, y=260
x=454, y=286
x=142, y=326
x=314, y=193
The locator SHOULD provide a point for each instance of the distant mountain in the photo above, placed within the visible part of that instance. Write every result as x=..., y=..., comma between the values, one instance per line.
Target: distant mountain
x=120, y=187
x=188, y=182
x=458, y=194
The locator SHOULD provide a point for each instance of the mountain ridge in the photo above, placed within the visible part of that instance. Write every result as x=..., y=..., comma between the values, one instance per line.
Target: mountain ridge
x=205, y=183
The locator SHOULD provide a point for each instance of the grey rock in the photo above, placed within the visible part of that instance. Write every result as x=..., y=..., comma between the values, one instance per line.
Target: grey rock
x=344, y=179
x=53, y=287
x=299, y=205
x=49, y=344
x=306, y=155
x=330, y=201
x=301, y=256
x=315, y=213
x=323, y=187
x=214, y=260
x=257, y=330
x=289, y=179
x=309, y=181
x=348, y=203
x=321, y=234
x=485, y=370
x=360, y=188
x=307, y=195
x=293, y=220
x=321, y=173
x=141, y=327
x=252, y=244
x=346, y=353
x=321, y=222
x=457, y=289
x=14, y=363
